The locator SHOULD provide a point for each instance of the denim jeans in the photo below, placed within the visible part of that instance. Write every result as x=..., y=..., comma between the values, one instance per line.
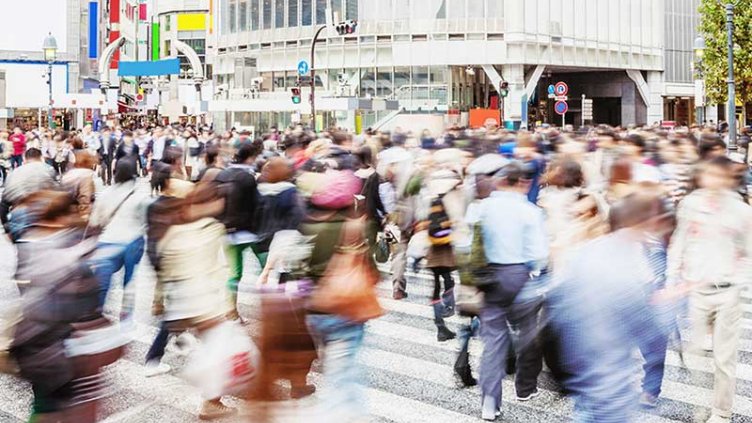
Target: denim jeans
x=110, y=258
x=653, y=349
x=157, y=349
x=16, y=161
x=339, y=341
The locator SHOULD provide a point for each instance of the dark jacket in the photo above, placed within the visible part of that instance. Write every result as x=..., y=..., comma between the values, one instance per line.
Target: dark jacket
x=279, y=208
x=238, y=186
x=61, y=290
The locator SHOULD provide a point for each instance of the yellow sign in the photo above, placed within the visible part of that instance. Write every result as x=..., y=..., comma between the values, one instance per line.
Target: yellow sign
x=192, y=22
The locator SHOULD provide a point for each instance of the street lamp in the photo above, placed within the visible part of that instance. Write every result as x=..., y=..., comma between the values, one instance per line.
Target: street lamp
x=699, y=48
x=731, y=82
x=49, y=47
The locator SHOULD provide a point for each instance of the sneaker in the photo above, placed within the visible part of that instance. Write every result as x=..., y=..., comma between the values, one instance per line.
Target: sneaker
x=212, y=410
x=489, y=411
x=185, y=343
x=648, y=400
x=529, y=396
x=399, y=295
x=155, y=368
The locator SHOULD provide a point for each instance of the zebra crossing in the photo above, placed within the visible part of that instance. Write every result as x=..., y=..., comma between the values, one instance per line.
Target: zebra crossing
x=408, y=374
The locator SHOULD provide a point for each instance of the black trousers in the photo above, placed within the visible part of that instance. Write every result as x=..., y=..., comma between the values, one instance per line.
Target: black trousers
x=107, y=169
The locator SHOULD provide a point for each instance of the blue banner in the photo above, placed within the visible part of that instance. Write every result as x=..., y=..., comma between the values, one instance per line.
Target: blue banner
x=93, y=30
x=155, y=68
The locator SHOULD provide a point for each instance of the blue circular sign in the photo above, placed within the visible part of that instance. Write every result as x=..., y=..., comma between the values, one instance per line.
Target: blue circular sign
x=551, y=89
x=561, y=107
x=303, y=68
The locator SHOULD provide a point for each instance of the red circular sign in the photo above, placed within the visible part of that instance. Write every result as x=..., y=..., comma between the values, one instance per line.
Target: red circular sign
x=561, y=88
x=561, y=107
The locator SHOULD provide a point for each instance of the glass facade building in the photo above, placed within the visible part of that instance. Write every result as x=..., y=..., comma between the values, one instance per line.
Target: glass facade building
x=418, y=51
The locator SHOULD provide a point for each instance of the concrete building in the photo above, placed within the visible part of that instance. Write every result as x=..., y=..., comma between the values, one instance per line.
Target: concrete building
x=441, y=55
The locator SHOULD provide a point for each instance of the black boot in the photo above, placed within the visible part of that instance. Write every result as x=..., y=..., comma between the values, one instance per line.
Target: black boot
x=444, y=334
x=462, y=370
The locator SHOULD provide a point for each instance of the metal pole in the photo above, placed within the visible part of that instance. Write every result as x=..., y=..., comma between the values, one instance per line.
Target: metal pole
x=563, y=121
x=313, y=77
x=583, y=110
x=49, y=103
x=731, y=84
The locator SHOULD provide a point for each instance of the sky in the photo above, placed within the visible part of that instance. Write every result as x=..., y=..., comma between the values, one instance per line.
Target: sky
x=26, y=23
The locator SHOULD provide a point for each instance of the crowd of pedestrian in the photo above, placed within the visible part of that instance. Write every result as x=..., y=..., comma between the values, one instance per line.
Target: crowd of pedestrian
x=571, y=248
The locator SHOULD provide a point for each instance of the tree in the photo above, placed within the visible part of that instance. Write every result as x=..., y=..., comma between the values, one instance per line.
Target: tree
x=715, y=59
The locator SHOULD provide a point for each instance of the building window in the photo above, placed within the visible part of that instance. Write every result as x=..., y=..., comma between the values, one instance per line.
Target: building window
x=336, y=6
x=267, y=14
x=292, y=13
x=321, y=6
x=306, y=12
x=476, y=8
x=243, y=12
x=420, y=75
x=367, y=83
x=233, y=17
x=255, y=15
x=457, y=9
x=402, y=87
x=384, y=82
x=168, y=48
x=279, y=14
x=495, y=9
x=401, y=10
x=167, y=22
x=351, y=9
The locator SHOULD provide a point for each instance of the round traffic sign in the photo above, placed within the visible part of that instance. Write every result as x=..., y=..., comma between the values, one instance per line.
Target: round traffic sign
x=561, y=107
x=561, y=88
x=551, y=89
x=303, y=68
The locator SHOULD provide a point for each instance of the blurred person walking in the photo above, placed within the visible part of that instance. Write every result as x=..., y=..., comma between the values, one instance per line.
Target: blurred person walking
x=6, y=151
x=61, y=314
x=711, y=256
x=106, y=154
x=185, y=245
x=238, y=185
x=33, y=176
x=19, y=147
x=121, y=213
x=79, y=182
x=600, y=313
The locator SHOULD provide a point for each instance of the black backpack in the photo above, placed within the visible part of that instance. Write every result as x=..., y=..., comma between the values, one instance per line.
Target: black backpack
x=439, y=225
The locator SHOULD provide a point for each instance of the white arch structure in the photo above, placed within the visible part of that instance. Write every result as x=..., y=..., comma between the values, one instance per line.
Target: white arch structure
x=190, y=53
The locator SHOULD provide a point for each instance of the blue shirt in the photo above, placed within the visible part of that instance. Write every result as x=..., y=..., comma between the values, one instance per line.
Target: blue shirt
x=513, y=230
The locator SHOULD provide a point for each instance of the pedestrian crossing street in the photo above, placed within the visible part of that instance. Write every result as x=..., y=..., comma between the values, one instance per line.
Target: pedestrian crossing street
x=408, y=374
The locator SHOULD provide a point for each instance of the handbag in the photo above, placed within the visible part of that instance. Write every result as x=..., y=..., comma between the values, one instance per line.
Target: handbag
x=348, y=286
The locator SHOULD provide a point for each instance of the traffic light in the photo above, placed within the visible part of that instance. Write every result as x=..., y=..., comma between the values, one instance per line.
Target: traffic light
x=295, y=91
x=504, y=89
x=346, y=27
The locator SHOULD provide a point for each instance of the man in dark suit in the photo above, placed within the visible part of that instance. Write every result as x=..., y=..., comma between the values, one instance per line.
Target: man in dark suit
x=107, y=152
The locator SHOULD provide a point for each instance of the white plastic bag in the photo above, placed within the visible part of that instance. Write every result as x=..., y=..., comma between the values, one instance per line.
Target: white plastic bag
x=418, y=246
x=225, y=362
